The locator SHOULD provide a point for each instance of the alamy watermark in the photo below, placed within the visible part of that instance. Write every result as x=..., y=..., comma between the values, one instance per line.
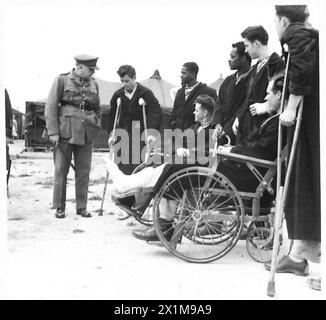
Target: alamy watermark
x=131, y=147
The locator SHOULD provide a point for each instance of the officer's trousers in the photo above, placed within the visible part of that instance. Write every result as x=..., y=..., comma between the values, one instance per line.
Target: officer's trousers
x=62, y=155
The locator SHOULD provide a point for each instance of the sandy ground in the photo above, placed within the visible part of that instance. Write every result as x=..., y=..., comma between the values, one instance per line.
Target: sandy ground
x=49, y=259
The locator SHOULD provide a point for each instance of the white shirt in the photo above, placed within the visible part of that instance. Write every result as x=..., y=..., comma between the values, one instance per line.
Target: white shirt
x=189, y=89
x=203, y=126
x=129, y=95
x=262, y=63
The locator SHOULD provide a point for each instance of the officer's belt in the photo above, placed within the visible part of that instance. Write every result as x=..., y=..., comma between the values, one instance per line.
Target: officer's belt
x=62, y=104
x=75, y=107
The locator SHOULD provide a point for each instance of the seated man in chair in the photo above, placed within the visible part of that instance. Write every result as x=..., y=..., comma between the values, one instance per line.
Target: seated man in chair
x=198, y=143
x=261, y=143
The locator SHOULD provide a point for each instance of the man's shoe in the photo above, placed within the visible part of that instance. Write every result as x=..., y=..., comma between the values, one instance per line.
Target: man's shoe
x=287, y=265
x=60, y=213
x=150, y=233
x=83, y=213
x=147, y=235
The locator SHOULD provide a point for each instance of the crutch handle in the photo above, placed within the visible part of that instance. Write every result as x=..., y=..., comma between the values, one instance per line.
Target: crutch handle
x=142, y=102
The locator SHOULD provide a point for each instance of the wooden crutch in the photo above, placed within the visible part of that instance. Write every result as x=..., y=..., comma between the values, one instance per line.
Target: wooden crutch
x=143, y=104
x=282, y=191
x=111, y=154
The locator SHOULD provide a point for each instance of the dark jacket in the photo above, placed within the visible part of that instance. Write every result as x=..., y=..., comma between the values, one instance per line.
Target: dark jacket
x=63, y=110
x=262, y=142
x=199, y=155
x=258, y=83
x=302, y=210
x=131, y=110
x=198, y=144
x=182, y=116
x=131, y=116
x=231, y=96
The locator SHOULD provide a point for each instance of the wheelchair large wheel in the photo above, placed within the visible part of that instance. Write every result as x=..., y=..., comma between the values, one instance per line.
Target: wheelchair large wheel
x=209, y=214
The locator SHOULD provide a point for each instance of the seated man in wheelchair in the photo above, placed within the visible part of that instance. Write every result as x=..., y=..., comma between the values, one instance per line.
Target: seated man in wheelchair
x=262, y=143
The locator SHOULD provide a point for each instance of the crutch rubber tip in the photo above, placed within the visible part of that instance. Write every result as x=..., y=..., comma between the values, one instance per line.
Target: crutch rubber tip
x=271, y=288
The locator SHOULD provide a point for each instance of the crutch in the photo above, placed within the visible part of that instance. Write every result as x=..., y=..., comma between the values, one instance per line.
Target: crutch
x=111, y=155
x=282, y=190
x=143, y=104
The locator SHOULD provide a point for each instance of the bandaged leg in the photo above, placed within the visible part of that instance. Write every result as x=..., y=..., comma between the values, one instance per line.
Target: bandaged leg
x=123, y=183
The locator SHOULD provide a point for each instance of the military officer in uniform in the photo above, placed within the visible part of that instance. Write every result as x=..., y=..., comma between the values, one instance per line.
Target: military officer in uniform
x=73, y=118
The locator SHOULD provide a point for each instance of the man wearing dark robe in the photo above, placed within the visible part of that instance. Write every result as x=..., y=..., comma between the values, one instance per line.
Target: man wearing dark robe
x=130, y=117
x=302, y=207
x=232, y=92
x=182, y=115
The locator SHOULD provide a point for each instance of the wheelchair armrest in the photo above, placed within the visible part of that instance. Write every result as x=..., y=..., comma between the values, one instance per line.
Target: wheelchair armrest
x=242, y=158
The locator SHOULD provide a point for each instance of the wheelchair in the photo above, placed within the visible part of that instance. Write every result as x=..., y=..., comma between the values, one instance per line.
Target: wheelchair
x=211, y=211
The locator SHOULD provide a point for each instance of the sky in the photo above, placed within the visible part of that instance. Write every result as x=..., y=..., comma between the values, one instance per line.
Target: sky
x=40, y=38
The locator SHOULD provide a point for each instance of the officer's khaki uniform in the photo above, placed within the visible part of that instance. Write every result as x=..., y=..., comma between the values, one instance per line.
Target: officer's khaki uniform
x=73, y=112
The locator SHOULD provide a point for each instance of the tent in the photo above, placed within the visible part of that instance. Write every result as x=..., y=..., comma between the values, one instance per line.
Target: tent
x=106, y=90
x=217, y=83
x=162, y=90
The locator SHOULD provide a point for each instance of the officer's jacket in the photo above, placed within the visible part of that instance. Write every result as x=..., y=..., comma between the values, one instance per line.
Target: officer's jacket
x=73, y=109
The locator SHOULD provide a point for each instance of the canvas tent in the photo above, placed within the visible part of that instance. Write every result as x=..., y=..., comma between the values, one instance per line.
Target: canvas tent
x=106, y=90
x=162, y=90
x=217, y=83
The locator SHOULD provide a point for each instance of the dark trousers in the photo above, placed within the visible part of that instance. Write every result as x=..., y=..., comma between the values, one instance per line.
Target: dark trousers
x=62, y=155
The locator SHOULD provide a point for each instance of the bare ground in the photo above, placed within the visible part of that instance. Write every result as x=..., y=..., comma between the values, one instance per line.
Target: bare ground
x=97, y=258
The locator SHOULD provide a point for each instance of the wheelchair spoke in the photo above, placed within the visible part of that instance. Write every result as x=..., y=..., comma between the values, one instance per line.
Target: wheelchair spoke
x=193, y=191
x=182, y=202
x=222, y=203
x=203, y=189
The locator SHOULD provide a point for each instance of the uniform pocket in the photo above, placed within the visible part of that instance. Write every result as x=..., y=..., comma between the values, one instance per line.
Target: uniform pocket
x=65, y=127
x=91, y=124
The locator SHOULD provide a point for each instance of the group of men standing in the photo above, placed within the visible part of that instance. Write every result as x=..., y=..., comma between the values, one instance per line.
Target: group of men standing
x=73, y=115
